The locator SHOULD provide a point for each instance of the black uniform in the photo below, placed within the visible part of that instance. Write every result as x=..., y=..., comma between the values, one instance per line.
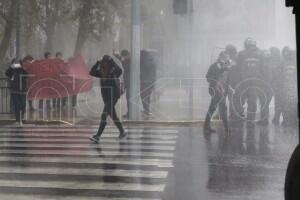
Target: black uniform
x=265, y=92
x=18, y=86
x=217, y=77
x=110, y=92
x=290, y=97
x=276, y=83
x=250, y=63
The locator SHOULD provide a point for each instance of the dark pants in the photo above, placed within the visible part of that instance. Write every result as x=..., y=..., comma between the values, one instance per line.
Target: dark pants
x=30, y=103
x=146, y=91
x=19, y=102
x=265, y=97
x=218, y=99
x=238, y=102
x=41, y=103
x=55, y=103
x=290, y=113
x=74, y=101
x=127, y=87
x=279, y=106
x=251, y=96
x=109, y=110
x=59, y=102
x=231, y=104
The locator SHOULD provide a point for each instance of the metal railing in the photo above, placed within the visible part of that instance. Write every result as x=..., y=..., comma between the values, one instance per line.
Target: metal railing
x=5, y=100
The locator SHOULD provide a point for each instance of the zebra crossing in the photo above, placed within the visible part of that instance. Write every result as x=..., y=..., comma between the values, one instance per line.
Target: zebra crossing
x=58, y=162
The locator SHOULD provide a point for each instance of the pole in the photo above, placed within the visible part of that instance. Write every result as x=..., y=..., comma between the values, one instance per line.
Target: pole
x=18, y=30
x=297, y=13
x=135, y=60
x=190, y=56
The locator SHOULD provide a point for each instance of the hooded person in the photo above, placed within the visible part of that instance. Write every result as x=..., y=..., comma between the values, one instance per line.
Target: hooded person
x=109, y=73
x=18, y=88
x=217, y=77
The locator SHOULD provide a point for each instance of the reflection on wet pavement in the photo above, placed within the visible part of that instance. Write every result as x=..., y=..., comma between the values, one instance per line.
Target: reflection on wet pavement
x=249, y=163
x=58, y=162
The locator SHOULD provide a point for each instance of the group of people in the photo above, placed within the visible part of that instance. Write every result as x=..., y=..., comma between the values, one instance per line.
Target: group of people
x=18, y=83
x=250, y=78
x=56, y=102
x=107, y=69
x=240, y=78
x=148, y=67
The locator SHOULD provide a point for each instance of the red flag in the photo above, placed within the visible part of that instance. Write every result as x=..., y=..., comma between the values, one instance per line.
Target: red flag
x=54, y=78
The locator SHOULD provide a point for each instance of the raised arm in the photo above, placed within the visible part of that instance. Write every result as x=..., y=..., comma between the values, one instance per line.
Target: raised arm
x=9, y=72
x=95, y=71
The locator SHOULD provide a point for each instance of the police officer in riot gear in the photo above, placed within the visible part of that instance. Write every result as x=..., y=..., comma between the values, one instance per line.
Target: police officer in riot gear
x=217, y=77
x=249, y=61
x=265, y=92
x=290, y=98
x=276, y=83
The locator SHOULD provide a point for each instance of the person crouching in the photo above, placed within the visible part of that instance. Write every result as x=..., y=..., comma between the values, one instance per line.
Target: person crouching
x=109, y=73
x=18, y=87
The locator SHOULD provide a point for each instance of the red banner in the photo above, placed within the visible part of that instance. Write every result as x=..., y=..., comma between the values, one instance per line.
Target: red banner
x=54, y=78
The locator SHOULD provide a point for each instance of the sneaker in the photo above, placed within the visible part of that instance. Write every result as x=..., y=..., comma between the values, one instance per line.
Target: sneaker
x=122, y=135
x=95, y=139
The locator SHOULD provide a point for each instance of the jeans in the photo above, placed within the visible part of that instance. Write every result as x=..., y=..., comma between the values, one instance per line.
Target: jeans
x=19, y=101
x=109, y=110
x=218, y=99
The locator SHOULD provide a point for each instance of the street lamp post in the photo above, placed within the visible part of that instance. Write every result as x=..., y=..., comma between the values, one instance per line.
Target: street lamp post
x=135, y=60
x=18, y=30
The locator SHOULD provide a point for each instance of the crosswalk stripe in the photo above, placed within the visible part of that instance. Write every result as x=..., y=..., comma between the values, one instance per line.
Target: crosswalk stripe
x=71, y=140
x=62, y=164
x=80, y=135
x=143, y=162
x=90, y=129
x=58, y=162
x=74, y=146
x=83, y=185
x=86, y=132
x=87, y=153
x=55, y=197
x=84, y=193
x=95, y=172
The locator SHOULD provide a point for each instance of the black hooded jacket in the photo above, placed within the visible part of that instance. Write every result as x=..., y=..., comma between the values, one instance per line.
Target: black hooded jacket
x=17, y=79
x=217, y=76
x=110, y=90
